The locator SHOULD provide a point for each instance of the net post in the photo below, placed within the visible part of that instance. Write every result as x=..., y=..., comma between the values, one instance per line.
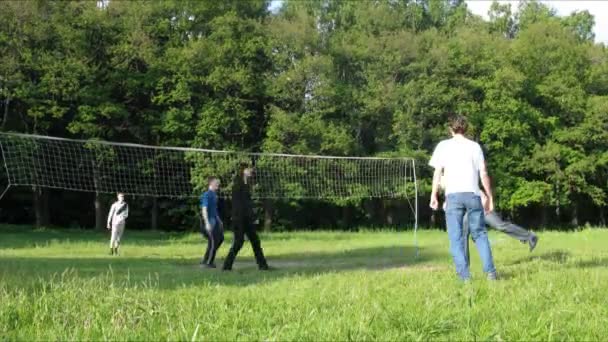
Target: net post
x=416, y=209
x=8, y=176
x=5, y=191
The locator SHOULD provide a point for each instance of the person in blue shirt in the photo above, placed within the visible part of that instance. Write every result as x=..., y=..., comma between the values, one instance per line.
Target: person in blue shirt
x=213, y=227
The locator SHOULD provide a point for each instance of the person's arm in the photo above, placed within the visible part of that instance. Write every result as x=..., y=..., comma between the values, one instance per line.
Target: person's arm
x=217, y=212
x=205, y=212
x=487, y=187
x=442, y=188
x=438, y=164
x=435, y=190
x=484, y=202
x=110, y=216
x=206, y=218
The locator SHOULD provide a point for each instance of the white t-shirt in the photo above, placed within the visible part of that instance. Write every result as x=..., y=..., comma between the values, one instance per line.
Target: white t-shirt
x=461, y=160
x=119, y=212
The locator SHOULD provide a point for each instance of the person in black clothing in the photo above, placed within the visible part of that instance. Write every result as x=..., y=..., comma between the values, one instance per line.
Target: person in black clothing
x=243, y=219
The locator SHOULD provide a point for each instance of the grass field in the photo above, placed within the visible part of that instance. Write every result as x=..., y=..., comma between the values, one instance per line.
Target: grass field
x=62, y=285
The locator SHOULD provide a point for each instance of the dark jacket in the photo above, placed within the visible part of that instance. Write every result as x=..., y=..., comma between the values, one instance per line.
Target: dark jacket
x=242, y=205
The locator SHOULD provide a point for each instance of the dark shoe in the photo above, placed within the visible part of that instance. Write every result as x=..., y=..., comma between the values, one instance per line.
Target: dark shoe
x=211, y=265
x=266, y=268
x=111, y=251
x=533, y=241
x=226, y=269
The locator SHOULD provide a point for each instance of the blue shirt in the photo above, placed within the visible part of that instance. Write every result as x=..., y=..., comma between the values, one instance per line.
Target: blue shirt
x=209, y=200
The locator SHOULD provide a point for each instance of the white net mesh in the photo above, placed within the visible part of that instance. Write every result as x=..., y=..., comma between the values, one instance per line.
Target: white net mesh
x=105, y=167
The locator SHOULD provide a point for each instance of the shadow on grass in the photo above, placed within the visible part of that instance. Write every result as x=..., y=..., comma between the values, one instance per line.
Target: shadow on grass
x=556, y=257
x=595, y=262
x=168, y=273
x=15, y=237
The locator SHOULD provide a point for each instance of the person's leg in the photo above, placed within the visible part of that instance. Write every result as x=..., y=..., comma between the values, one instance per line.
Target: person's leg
x=237, y=243
x=217, y=237
x=495, y=221
x=114, y=239
x=466, y=232
x=209, y=239
x=120, y=229
x=254, y=239
x=480, y=234
x=454, y=216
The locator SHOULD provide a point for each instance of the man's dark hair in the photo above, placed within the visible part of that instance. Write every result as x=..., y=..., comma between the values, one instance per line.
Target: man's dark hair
x=242, y=167
x=458, y=124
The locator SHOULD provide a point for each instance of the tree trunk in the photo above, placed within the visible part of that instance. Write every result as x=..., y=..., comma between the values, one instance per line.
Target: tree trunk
x=347, y=216
x=544, y=216
x=99, y=214
x=7, y=102
x=574, y=220
x=41, y=206
x=381, y=205
x=154, y=214
x=37, y=207
x=368, y=207
x=267, y=214
x=388, y=212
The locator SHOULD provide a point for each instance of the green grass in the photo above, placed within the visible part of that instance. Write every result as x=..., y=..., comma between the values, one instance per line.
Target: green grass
x=61, y=285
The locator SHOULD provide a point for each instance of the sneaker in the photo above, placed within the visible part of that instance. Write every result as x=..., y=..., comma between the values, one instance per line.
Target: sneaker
x=532, y=242
x=111, y=251
x=267, y=268
x=492, y=276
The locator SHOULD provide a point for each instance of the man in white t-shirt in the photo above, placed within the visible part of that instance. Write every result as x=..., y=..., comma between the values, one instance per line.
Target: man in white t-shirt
x=462, y=164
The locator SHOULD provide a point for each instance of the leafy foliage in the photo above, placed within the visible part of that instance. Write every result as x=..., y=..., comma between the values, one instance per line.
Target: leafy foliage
x=325, y=77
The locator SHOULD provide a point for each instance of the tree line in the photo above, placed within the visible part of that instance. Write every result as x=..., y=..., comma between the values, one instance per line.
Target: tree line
x=356, y=78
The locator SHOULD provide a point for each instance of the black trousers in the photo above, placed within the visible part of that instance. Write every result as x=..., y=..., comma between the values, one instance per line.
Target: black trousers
x=244, y=226
x=215, y=238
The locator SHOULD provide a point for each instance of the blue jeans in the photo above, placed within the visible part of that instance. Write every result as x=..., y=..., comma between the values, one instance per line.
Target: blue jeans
x=459, y=204
x=215, y=238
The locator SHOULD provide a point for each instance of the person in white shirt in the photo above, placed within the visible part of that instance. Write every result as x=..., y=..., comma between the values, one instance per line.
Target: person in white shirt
x=117, y=219
x=462, y=164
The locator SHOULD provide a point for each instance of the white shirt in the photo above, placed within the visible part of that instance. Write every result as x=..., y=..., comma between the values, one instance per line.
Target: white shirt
x=461, y=160
x=115, y=217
